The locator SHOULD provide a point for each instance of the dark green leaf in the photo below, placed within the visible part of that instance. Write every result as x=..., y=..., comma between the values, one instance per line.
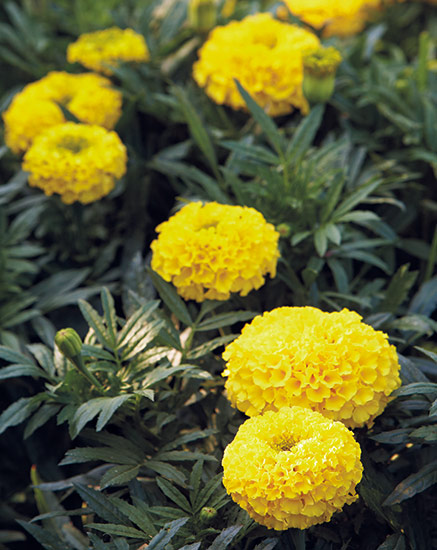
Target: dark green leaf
x=225, y=320
x=398, y=289
x=305, y=133
x=171, y=298
x=119, y=475
x=422, y=388
x=87, y=454
x=114, y=529
x=17, y=412
x=161, y=540
x=225, y=538
x=173, y=494
x=266, y=123
x=42, y=415
x=100, y=504
x=413, y=484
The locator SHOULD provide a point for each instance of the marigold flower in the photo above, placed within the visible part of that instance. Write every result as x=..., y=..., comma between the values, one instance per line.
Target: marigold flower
x=89, y=97
x=208, y=251
x=332, y=363
x=336, y=18
x=292, y=468
x=79, y=162
x=101, y=50
x=264, y=55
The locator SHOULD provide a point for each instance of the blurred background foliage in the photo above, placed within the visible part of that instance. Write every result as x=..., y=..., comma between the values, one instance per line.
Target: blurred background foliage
x=352, y=189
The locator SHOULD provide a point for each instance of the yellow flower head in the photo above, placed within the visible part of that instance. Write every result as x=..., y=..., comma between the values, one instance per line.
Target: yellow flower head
x=89, y=97
x=332, y=363
x=292, y=468
x=101, y=50
x=343, y=18
x=208, y=251
x=264, y=55
x=77, y=161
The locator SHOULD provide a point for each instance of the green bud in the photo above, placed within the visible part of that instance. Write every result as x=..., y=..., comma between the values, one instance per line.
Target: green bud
x=283, y=229
x=68, y=342
x=207, y=514
x=319, y=68
x=202, y=15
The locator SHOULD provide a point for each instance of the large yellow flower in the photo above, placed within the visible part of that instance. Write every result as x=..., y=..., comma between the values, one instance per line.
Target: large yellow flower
x=265, y=55
x=101, y=50
x=208, y=251
x=77, y=161
x=336, y=18
x=292, y=468
x=332, y=363
x=89, y=97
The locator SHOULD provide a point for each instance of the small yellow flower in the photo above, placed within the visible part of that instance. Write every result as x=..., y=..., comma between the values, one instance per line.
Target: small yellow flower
x=265, y=55
x=101, y=50
x=78, y=161
x=332, y=363
x=343, y=18
x=89, y=97
x=208, y=251
x=292, y=468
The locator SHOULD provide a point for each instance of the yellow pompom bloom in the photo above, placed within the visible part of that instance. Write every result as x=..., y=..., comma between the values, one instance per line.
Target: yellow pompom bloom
x=101, y=50
x=292, y=468
x=343, y=18
x=208, y=251
x=332, y=363
x=264, y=55
x=89, y=97
x=79, y=162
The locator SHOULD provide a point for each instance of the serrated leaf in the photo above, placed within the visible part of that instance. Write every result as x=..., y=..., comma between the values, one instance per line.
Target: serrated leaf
x=393, y=542
x=197, y=129
x=305, y=133
x=95, y=322
x=225, y=320
x=184, y=455
x=138, y=514
x=12, y=356
x=354, y=198
x=136, y=322
x=171, y=298
x=116, y=529
x=160, y=373
x=422, y=388
x=210, y=346
x=46, y=538
x=164, y=536
x=432, y=355
x=225, y=538
x=14, y=371
x=195, y=477
x=167, y=470
x=398, y=289
x=265, y=122
x=105, y=407
x=392, y=437
x=42, y=415
x=413, y=484
x=425, y=433
x=119, y=475
x=425, y=300
x=194, y=546
x=267, y=544
x=107, y=454
x=173, y=494
x=99, y=503
x=205, y=494
x=17, y=412
x=110, y=315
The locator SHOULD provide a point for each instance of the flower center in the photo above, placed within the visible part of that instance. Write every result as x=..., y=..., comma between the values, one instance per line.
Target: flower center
x=284, y=443
x=75, y=144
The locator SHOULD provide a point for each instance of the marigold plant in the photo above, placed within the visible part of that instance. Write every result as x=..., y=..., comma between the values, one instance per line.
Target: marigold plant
x=89, y=97
x=332, y=363
x=101, y=50
x=208, y=251
x=292, y=468
x=79, y=162
x=336, y=18
x=264, y=55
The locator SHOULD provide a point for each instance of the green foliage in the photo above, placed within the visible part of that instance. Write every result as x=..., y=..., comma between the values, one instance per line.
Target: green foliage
x=134, y=428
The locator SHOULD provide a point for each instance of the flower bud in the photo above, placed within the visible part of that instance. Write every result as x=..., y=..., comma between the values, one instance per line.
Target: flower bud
x=202, y=15
x=68, y=342
x=319, y=68
x=283, y=229
x=207, y=514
